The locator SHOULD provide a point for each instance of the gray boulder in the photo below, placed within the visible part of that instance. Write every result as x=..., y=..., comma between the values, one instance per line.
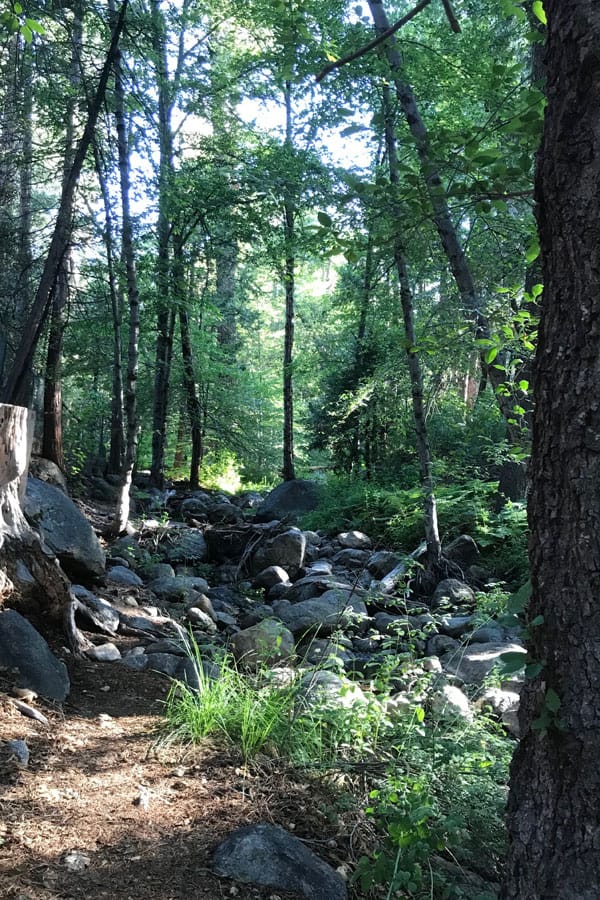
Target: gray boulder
x=454, y=591
x=179, y=588
x=24, y=649
x=48, y=471
x=124, y=576
x=188, y=546
x=450, y=703
x=98, y=612
x=323, y=688
x=355, y=540
x=476, y=661
x=285, y=550
x=263, y=644
x=269, y=855
x=382, y=562
x=64, y=529
x=289, y=501
x=271, y=576
x=322, y=614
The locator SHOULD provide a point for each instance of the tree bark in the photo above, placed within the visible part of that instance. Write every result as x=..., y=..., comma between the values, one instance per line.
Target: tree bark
x=16, y=387
x=554, y=804
x=289, y=285
x=18, y=542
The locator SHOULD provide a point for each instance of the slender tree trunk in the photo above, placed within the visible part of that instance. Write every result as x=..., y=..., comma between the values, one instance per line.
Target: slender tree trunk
x=189, y=370
x=434, y=546
x=447, y=232
x=52, y=440
x=165, y=320
x=17, y=385
x=24, y=293
x=117, y=435
x=289, y=284
x=128, y=257
x=554, y=803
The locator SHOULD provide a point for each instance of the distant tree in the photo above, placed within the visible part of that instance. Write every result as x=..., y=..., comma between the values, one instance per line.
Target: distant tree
x=554, y=804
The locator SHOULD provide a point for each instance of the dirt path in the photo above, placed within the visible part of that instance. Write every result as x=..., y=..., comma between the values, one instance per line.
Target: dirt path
x=141, y=818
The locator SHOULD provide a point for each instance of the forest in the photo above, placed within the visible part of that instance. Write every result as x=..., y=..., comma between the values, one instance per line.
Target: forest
x=347, y=250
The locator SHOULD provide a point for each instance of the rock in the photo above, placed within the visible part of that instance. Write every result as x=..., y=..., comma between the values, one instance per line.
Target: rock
x=504, y=705
x=136, y=662
x=167, y=645
x=382, y=562
x=201, y=620
x=454, y=626
x=201, y=601
x=462, y=550
x=289, y=501
x=248, y=500
x=352, y=559
x=325, y=653
x=129, y=548
x=224, y=514
x=450, y=702
x=189, y=546
x=355, y=540
x=179, y=588
x=165, y=663
x=47, y=471
x=196, y=506
x=98, y=612
x=321, y=615
x=324, y=688
x=23, y=648
x=442, y=644
x=432, y=664
x=263, y=644
x=476, y=661
x=19, y=750
x=271, y=576
x=285, y=550
x=268, y=855
x=319, y=566
x=398, y=705
x=154, y=571
x=99, y=489
x=315, y=585
x=64, y=529
x=104, y=652
x=454, y=591
x=488, y=634
x=400, y=626
x=121, y=575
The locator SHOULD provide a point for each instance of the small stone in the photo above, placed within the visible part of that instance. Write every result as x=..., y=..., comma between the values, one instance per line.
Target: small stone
x=20, y=751
x=76, y=861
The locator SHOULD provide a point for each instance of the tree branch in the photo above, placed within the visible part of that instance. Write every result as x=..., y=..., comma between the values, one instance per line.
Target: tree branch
x=362, y=51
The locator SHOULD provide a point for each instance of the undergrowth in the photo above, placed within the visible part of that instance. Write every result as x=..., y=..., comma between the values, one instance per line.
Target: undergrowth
x=437, y=784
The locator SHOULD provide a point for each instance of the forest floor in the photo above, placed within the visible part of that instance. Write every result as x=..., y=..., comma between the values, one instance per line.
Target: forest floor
x=107, y=808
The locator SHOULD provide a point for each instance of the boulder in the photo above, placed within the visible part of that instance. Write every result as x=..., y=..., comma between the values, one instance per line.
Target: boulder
x=124, y=576
x=179, y=588
x=450, y=703
x=289, y=501
x=64, y=529
x=98, y=612
x=382, y=562
x=188, y=546
x=268, y=855
x=322, y=614
x=453, y=591
x=48, y=471
x=271, y=576
x=263, y=644
x=351, y=559
x=285, y=550
x=355, y=540
x=503, y=704
x=24, y=649
x=107, y=652
x=462, y=550
x=476, y=661
x=323, y=688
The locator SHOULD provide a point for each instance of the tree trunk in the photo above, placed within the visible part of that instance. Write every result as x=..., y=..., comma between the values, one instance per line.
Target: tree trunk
x=554, y=804
x=430, y=522
x=447, y=232
x=128, y=257
x=18, y=542
x=17, y=386
x=289, y=284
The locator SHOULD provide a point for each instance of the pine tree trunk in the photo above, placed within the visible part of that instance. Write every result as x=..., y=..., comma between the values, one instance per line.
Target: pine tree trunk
x=554, y=804
x=289, y=284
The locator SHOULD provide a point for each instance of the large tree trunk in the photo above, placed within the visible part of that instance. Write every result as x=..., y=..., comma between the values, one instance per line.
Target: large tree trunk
x=18, y=542
x=554, y=805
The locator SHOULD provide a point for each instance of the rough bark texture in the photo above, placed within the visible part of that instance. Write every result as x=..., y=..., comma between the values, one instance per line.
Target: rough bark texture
x=18, y=542
x=289, y=279
x=554, y=806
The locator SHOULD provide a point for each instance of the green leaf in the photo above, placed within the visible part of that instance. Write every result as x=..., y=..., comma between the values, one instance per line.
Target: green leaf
x=533, y=251
x=552, y=701
x=324, y=219
x=539, y=620
x=512, y=661
x=533, y=669
x=491, y=355
x=539, y=11
x=536, y=290
x=523, y=385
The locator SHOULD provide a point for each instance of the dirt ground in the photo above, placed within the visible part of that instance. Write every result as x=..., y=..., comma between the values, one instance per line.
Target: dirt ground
x=106, y=808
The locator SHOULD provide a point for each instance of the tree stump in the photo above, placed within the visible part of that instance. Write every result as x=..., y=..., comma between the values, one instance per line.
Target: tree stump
x=19, y=543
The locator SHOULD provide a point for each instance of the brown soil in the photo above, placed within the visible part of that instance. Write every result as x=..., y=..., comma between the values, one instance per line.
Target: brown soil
x=144, y=816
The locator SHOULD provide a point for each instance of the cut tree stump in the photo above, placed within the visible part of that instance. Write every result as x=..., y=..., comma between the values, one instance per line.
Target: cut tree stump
x=19, y=543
